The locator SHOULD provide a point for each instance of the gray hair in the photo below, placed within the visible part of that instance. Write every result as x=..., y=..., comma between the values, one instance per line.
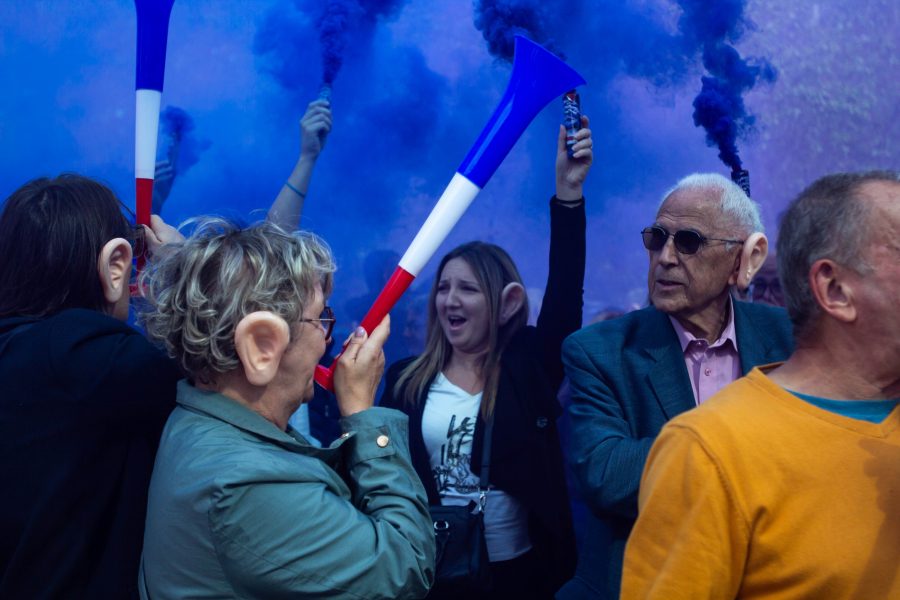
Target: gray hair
x=735, y=205
x=200, y=292
x=827, y=220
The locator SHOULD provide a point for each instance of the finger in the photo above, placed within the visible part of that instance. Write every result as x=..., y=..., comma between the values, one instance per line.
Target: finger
x=374, y=345
x=585, y=121
x=316, y=112
x=150, y=236
x=583, y=144
x=354, y=345
x=380, y=334
x=318, y=103
x=346, y=342
x=584, y=155
x=165, y=233
x=318, y=122
x=321, y=128
x=583, y=134
x=561, y=140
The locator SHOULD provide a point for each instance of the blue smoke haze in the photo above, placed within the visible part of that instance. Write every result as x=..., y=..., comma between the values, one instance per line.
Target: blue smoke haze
x=417, y=83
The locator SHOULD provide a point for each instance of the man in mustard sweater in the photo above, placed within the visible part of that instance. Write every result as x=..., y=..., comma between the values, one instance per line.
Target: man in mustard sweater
x=787, y=483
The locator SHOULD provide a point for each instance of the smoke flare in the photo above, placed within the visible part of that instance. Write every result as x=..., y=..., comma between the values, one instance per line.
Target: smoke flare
x=501, y=20
x=338, y=17
x=719, y=107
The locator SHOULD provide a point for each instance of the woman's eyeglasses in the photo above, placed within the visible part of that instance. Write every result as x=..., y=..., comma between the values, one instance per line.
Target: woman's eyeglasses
x=687, y=241
x=326, y=321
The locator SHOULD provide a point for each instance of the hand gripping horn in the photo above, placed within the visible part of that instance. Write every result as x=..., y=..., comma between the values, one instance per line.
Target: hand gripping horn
x=152, y=35
x=537, y=78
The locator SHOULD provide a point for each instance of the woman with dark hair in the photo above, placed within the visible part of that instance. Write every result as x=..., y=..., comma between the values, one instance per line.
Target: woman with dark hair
x=483, y=365
x=83, y=396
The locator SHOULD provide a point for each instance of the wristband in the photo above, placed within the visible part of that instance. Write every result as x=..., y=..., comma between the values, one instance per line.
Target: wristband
x=295, y=190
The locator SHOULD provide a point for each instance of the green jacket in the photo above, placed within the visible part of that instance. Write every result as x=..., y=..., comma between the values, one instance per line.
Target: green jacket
x=240, y=509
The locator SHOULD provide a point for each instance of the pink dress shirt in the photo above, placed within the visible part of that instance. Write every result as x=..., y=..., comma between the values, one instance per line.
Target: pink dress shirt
x=710, y=366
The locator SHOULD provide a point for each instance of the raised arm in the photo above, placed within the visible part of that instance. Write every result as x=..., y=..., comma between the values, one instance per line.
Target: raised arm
x=562, y=305
x=314, y=128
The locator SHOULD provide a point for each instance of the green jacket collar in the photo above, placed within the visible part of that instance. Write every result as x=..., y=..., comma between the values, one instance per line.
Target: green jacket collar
x=223, y=408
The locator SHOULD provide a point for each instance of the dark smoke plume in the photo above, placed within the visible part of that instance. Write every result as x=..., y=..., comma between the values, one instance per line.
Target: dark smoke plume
x=499, y=21
x=719, y=108
x=338, y=17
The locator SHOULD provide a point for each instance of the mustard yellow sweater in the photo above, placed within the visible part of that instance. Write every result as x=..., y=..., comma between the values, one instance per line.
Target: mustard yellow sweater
x=759, y=494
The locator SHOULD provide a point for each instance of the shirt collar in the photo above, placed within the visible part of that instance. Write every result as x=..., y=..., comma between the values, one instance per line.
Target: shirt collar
x=729, y=334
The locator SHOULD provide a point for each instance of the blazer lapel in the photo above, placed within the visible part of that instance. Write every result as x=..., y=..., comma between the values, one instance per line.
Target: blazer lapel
x=666, y=371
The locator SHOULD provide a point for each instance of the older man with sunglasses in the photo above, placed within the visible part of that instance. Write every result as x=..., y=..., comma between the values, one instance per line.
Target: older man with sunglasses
x=631, y=375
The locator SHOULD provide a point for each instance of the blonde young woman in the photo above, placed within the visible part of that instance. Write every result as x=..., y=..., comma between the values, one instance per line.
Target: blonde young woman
x=482, y=363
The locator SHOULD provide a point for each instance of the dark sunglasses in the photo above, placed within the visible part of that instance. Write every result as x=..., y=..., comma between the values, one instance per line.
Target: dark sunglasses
x=326, y=321
x=687, y=241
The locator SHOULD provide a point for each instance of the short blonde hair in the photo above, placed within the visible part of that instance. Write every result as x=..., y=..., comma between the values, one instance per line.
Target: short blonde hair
x=199, y=293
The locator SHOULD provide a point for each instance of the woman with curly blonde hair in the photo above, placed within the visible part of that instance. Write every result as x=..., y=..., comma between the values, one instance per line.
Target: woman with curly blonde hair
x=240, y=504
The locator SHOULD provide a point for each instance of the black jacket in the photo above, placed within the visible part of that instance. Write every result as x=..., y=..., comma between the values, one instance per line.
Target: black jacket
x=83, y=399
x=526, y=459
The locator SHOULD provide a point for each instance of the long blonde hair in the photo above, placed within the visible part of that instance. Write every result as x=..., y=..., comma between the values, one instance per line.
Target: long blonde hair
x=494, y=270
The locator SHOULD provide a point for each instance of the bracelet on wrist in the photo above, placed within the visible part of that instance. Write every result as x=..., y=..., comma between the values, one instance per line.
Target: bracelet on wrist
x=293, y=189
x=568, y=202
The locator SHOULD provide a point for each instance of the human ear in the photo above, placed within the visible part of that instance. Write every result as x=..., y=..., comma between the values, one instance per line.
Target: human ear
x=832, y=290
x=753, y=255
x=114, y=269
x=511, y=300
x=260, y=340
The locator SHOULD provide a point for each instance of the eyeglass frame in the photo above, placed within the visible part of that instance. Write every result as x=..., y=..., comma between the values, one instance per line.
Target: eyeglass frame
x=328, y=318
x=704, y=240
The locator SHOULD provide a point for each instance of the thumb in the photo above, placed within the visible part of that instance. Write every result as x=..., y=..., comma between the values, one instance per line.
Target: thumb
x=380, y=334
x=355, y=343
x=561, y=140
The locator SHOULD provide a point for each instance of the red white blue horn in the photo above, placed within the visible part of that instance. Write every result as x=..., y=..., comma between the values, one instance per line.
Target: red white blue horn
x=152, y=35
x=537, y=78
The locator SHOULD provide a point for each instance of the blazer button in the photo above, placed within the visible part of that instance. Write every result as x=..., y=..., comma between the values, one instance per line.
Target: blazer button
x=382, y=441
x=541, y=422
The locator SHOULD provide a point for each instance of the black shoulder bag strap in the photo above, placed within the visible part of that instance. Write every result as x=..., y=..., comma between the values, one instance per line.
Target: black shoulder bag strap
x=484, y=481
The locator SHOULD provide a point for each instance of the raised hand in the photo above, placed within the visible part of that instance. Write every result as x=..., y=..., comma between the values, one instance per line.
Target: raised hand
x=571, y=172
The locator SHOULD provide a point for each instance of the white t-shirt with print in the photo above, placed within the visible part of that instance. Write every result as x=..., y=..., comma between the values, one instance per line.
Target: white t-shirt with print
x=448, y=426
